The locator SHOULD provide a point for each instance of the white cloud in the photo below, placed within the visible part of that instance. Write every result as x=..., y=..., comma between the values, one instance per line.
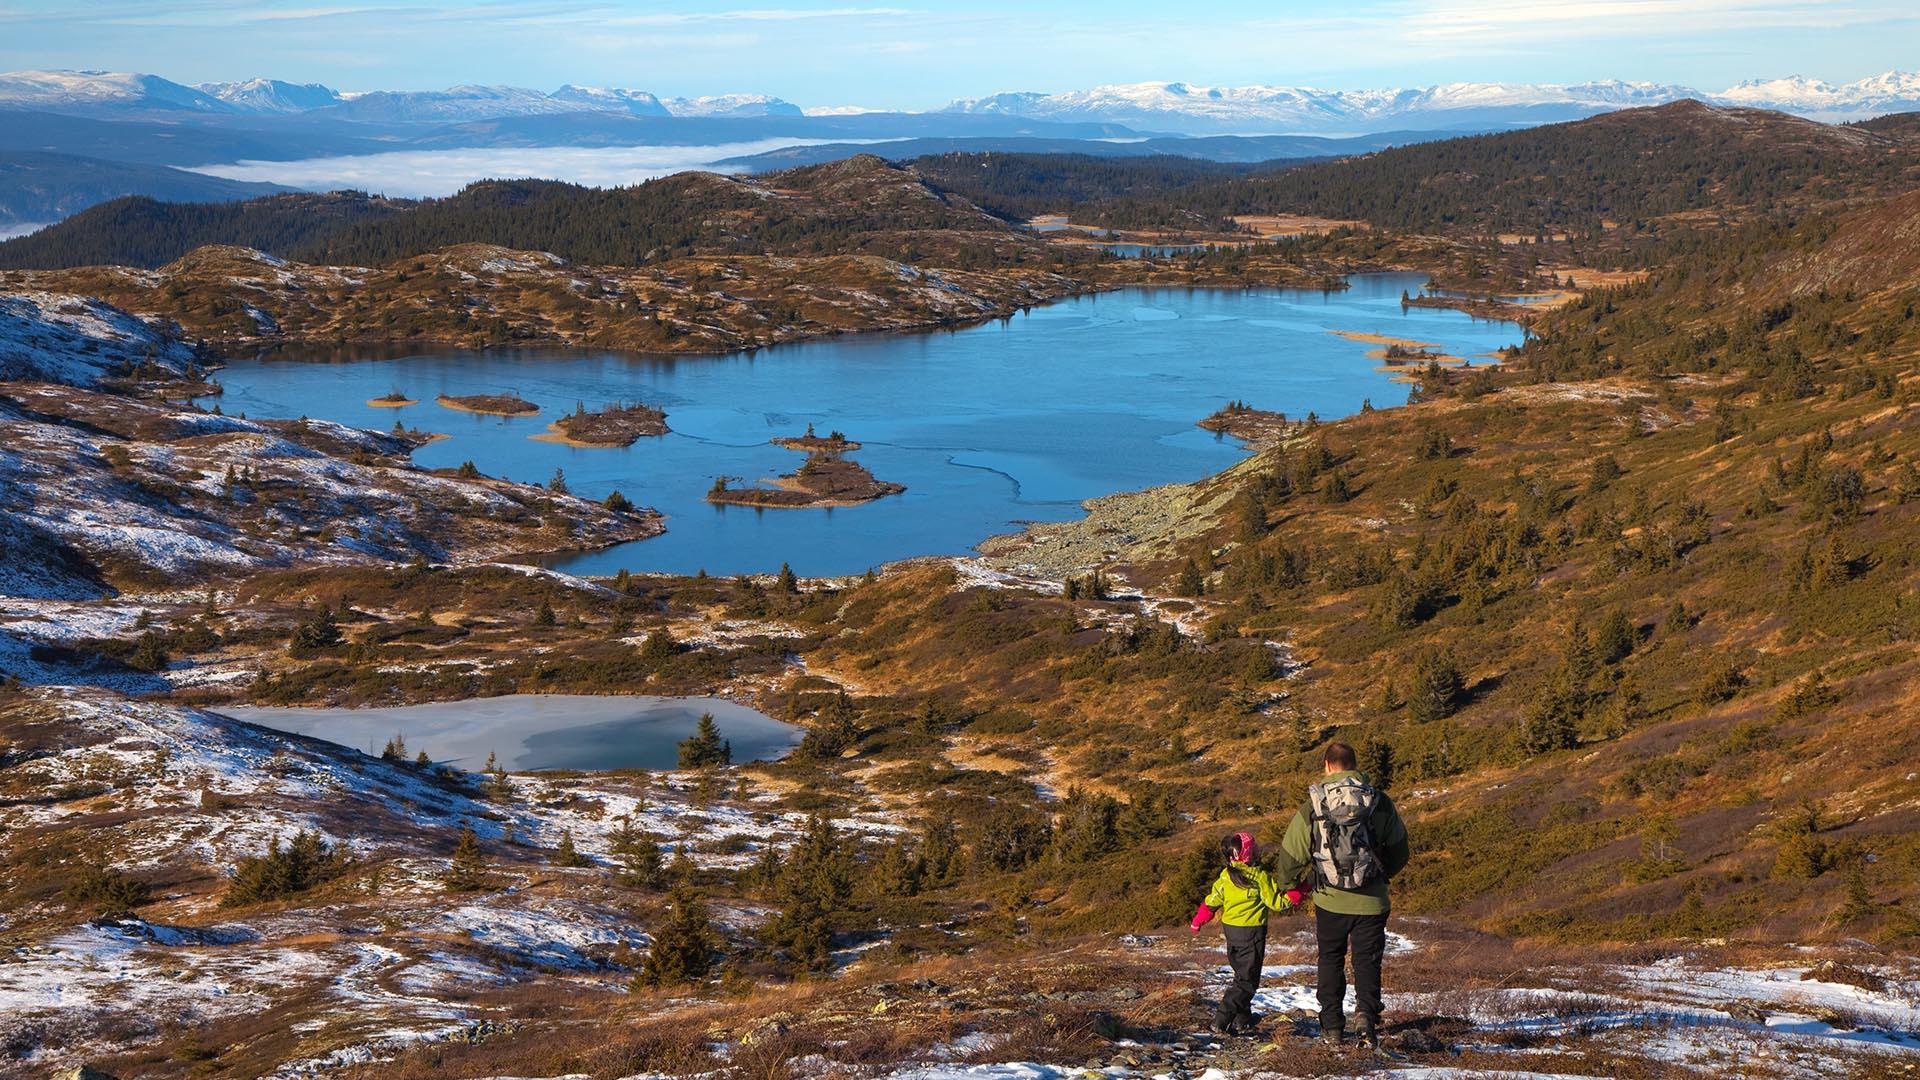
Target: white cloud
x=770, y=15
x=428, y=173
x=1465, y=21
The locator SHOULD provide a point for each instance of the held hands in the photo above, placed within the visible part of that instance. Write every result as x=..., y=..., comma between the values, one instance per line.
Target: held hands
x=1200, y=918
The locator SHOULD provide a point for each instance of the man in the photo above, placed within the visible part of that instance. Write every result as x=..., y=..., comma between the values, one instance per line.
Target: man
x=1349, y=840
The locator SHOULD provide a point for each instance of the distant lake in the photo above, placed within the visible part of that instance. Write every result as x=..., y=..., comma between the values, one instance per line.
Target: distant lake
x=538, y=731
x=1012, y=421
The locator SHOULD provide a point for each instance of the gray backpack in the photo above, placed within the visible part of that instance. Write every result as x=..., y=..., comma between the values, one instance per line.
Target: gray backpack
x=1343, y=854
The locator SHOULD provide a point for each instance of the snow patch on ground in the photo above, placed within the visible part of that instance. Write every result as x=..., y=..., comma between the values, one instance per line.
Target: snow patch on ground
x=77, y=340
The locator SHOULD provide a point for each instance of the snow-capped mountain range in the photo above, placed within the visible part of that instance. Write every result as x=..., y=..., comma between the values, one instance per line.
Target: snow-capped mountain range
x=116, y=92
x=1297, y=109
x=1175, y=107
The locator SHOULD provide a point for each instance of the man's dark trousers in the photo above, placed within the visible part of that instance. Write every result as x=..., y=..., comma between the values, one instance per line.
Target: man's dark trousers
x=1246, y=955
x=1368, y=935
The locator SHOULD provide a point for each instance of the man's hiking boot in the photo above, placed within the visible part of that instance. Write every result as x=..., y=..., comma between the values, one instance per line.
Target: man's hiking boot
x=1367, y=1038
x=1244, y=1025
x=1332, y=1036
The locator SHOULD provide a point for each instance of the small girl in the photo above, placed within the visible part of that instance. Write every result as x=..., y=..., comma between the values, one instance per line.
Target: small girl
x=1243, y=896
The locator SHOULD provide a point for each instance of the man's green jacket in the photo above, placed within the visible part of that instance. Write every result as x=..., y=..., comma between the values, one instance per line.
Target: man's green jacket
x=1389, y=841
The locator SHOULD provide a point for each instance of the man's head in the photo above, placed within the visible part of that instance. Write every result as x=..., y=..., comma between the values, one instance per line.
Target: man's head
x=1340, y=758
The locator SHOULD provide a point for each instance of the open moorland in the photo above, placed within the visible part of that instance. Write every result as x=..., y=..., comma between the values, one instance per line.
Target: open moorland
x=1625, y=623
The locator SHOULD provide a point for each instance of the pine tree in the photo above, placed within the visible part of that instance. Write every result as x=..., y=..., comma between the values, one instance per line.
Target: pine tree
x=683, y=945
x=1616, y=638
x=940, y=852
x=496, y=783
x=320, y=632
x=395, y=750
x=109, y=892
x=1191, y=879
x=704, y=748
x=149, y=653
x=788, y=582
x=285, y=870
x=558, y=485
x=1377, y=761
x=638, y=855
x=1437, y=687
x=565, y=854
x=1087, y=826
x=544, y=616
x=1552, y=718
x=815, y=885
x=932, y=719
x=658, y=647
x=1191, y=581
x=467, y=870
x=1011, y=837
x=900, y=871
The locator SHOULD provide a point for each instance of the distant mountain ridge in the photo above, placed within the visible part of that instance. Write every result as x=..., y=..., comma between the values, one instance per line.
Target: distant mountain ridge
x=105, y=92
x=1245, y=109
x=1173, y=107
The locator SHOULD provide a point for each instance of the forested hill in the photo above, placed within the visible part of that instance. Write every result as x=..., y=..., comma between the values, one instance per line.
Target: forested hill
x=1626, y=167
x=140, y=231
x=1020, y=186
x=861, y=204
x=1628, y=174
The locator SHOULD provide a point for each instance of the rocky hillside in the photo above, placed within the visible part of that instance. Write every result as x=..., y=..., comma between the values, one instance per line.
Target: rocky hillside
x=104, y=484
x=474, y=294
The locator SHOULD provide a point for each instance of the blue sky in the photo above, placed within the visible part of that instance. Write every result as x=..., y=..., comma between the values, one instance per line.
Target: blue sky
x=906, y=54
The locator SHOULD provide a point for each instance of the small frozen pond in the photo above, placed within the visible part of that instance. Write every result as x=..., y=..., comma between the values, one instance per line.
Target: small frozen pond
x=538, y=731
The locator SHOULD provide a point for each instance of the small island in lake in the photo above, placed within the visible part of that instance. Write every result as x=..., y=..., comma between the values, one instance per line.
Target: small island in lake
x=614, y=426
x=392, y=399
x=828, y=478
x=490, y=404
x=832, y=443
x=1243, y=421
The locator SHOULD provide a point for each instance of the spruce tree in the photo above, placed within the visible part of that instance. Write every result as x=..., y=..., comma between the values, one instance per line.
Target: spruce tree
x=939, y=850
x=1191, y=581
x=815, y=885
x=1191, y=879
x=704, y=748
x=466, y=872
x=320, y=632
x=658, y=647
x=149, y=653
x=1616, y=638
x=1377, y=761
x=900, y=871
x=638, y=855
x=1437, y=686
x=565, y=854
x=683, y=945
x=788, y=582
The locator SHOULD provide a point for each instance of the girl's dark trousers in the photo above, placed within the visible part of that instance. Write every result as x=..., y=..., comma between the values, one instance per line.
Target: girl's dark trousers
x=1246, y=955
